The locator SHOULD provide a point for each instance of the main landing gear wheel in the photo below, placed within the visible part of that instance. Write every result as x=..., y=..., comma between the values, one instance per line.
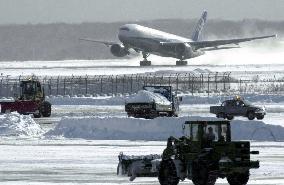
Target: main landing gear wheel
x=145, y=62
x=181, y=63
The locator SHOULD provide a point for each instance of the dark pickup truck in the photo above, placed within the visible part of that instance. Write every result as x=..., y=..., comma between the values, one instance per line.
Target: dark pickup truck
x=238, y=107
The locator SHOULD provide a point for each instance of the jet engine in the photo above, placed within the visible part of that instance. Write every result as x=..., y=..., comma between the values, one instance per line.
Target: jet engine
x=183, y=50
x=118, y=50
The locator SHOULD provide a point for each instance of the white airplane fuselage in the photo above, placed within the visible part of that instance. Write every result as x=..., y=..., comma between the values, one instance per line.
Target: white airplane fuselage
x=149, y=40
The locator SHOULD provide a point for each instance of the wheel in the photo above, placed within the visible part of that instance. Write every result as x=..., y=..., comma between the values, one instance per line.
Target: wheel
x=145, y=63
x=220, y=115
x=7, y=111
x=230, y=117
x=260, y=117
x=251, y=116
x=202, y=176
x=46, y=109
x=167, y=173
x=37, y=115
x=238, y=178
x=181, y=63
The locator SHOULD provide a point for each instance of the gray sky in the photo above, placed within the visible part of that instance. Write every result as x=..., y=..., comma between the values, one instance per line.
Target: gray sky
x=76, y=11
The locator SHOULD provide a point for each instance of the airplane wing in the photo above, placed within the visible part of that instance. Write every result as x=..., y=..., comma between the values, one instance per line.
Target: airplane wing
x=107, y=43
x=215, y=43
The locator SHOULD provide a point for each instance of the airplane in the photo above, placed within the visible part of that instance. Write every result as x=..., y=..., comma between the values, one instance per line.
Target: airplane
x=152, y=41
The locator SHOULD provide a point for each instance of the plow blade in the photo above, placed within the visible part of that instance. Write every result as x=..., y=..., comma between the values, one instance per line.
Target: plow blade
x=138, y=166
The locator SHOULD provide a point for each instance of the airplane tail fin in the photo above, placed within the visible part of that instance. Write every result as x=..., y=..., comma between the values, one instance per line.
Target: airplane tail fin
x=199, y=27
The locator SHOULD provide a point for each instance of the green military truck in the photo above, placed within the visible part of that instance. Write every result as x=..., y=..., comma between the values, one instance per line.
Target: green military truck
x=203, y=154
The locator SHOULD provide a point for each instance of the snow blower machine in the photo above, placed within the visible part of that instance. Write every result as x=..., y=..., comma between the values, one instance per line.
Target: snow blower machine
x=30, y=101
x=203, y=154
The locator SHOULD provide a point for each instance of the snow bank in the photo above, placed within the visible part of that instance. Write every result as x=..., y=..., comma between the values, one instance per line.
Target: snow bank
x=144, y=96
x=14, y=124
x=156, y=129
x=187, y=99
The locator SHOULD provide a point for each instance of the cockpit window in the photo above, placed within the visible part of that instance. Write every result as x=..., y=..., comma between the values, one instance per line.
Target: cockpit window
x=124, y=28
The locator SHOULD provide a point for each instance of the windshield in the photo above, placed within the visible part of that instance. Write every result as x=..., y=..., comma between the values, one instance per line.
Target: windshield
x=247, y=103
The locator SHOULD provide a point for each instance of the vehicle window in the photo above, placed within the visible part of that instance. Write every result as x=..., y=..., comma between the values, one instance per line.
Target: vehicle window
x=211, y=133
x=124, y=28
x=194, y=134
x=247, y=103
x=223, y=133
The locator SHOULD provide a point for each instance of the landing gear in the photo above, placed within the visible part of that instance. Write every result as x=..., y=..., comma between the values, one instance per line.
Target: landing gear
x=181, y=63
x=145, y=62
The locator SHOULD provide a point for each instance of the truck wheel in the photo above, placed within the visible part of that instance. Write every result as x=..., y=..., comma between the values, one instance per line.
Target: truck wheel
x=201, y=175
x=251, y=116
x=260, y=117
x=38, y=115
x=167, y=173
x=46, y=109
x=238, y=178
x=230, y=117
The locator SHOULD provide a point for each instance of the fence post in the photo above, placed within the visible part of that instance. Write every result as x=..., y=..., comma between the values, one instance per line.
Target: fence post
x=49, y=86
x=86, y=84
x=216, y=81
x=57, y=86
x=177, y=81
x=208, y=83
x=101, y=84
x=192, y=78
x=131, y=84
x=64, y=86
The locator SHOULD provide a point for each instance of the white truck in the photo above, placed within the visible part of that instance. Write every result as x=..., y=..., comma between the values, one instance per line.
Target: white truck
x=152, y=102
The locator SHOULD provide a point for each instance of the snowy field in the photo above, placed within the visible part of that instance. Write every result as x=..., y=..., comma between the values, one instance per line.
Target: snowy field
x=79, y=144
x=263, y=57
x=33, y=161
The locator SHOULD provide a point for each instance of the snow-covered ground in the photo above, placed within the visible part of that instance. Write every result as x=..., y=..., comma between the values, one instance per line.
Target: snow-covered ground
x=64, y=149
x=49, y=162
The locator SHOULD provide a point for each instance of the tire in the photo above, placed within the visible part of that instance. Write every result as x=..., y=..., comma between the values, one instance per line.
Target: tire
x=251, y=116
x=46, y=109
x=145, y=63
x=238, y=178
x=202, y=176
x=181, y=63
x=37, y=115
x=230, y=117
x=260, y=117
x=167, y=173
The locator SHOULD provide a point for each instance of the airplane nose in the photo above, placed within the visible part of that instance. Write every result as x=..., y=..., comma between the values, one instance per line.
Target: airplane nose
x=121, y=36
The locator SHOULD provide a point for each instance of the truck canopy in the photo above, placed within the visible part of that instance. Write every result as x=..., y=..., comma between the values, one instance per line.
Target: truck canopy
x=144, y=96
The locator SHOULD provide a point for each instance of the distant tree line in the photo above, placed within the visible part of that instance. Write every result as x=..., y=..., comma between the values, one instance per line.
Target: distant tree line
x=61, y=41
